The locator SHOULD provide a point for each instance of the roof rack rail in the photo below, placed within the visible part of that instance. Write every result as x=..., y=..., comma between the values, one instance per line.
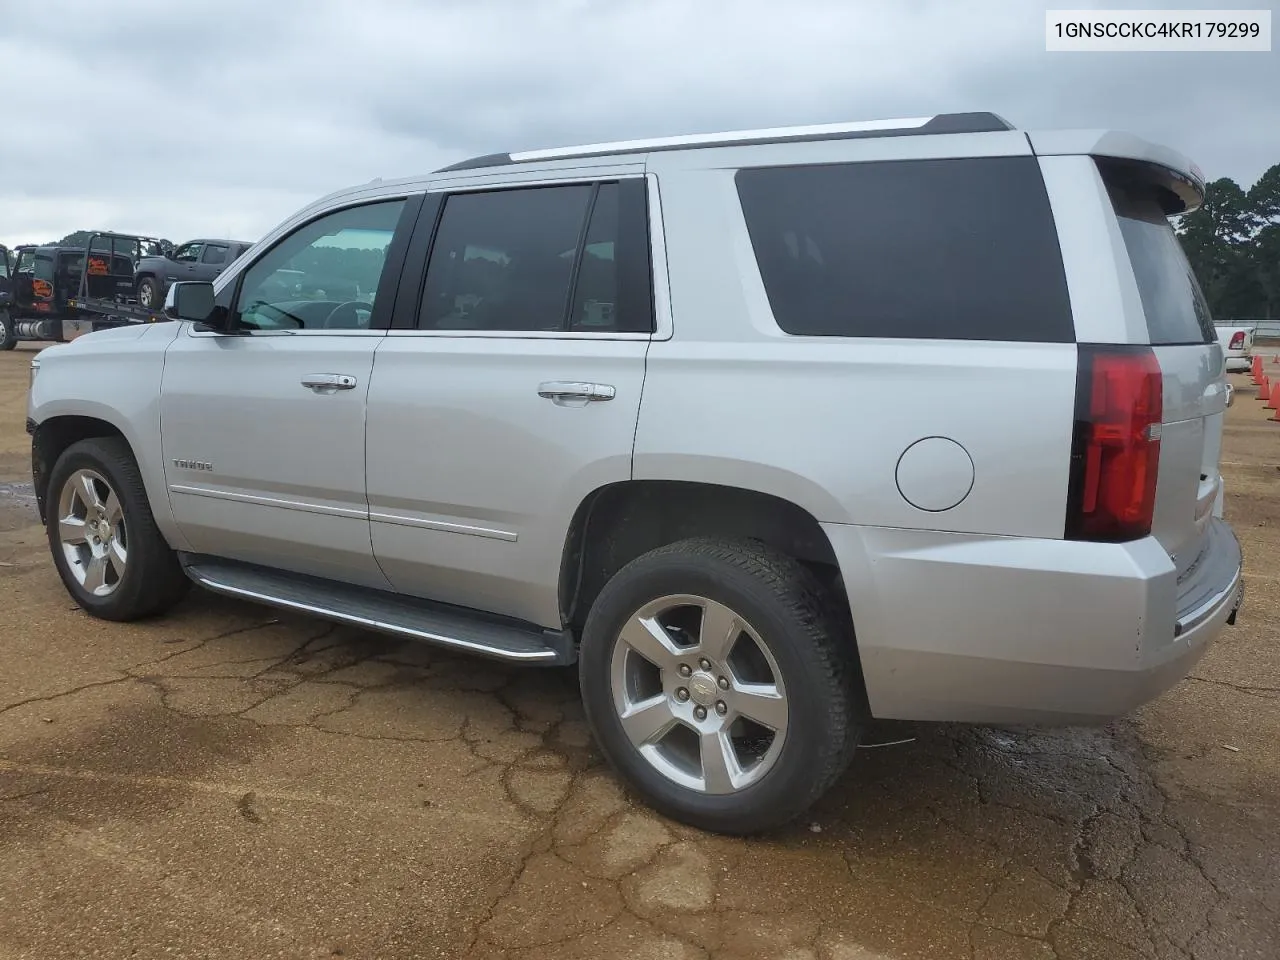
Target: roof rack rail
x=909, y=126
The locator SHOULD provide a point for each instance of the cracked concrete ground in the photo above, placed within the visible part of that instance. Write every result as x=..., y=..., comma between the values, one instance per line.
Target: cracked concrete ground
x=229, y=781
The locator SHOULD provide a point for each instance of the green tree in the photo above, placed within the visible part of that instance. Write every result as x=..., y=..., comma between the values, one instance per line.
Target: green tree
x=1233, y=243
x=1264, y=253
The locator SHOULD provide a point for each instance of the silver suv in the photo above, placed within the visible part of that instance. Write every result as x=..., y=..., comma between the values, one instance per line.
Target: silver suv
x=772, y=432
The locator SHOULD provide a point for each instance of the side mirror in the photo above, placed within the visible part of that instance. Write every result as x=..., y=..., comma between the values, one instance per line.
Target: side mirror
x=189, y=300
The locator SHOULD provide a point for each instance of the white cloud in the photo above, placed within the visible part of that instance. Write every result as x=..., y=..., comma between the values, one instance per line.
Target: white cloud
x=183, y=120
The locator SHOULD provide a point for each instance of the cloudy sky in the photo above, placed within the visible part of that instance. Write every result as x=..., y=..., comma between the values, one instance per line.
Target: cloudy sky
x=180, y=119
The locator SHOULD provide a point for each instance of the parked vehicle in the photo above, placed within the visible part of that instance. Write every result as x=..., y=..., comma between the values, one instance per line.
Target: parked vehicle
x=709, y=416
x=193, y=260
x=1237, y=344
x=55, y=298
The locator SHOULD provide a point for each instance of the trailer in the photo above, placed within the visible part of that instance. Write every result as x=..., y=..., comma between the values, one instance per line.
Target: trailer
x=106, y=296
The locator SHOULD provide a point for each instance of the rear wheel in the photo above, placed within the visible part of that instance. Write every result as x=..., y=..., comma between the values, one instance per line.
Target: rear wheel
x=149, y=293
x=8, y=335
x=720, y=684
x=106, y=547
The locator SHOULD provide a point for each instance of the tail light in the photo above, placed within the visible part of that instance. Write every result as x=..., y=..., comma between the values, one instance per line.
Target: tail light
x=1237, y=340
x=1115, y=451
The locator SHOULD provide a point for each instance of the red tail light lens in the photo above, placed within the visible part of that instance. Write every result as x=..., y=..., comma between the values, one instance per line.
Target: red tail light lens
x=1237, y=340
x=1115, y=453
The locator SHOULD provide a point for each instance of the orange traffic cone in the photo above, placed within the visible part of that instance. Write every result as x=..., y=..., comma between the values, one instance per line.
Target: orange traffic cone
x=1273, y=402
x=1264, y=389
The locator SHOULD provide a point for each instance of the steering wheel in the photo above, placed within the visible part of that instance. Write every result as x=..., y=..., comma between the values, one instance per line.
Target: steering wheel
x=351, y=306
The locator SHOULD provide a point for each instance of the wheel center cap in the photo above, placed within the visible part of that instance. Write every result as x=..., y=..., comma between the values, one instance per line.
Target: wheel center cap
x=702, y=689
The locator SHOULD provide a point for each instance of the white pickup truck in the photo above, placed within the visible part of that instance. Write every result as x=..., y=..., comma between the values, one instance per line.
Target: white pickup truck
x=1237, y=345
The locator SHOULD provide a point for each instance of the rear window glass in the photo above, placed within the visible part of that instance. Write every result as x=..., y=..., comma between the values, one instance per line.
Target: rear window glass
x=1171, y=297
x=934, y=249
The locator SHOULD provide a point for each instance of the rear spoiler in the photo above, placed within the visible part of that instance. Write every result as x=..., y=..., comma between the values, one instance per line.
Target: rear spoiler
x=1182, y=179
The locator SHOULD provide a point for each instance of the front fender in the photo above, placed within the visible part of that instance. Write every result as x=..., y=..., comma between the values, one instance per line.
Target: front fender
x=113, y=376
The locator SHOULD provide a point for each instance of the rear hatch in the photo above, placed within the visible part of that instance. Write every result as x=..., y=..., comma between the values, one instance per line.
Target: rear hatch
x=1190, y=359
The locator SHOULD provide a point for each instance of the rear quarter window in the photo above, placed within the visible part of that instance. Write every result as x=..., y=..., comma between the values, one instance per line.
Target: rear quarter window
x=1175, y=307
x=961, y=249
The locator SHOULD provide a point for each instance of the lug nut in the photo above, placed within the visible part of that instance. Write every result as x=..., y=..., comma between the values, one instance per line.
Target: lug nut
x=704, y=663
x=700, y=713
x=723, y=683
x=685, y=670
x=682, y=694
x=721, y=707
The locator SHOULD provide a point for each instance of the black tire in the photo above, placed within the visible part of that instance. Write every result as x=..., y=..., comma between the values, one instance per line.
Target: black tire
x=8, y=332
x=150, y=287
x=809, y=640
x=152, y=580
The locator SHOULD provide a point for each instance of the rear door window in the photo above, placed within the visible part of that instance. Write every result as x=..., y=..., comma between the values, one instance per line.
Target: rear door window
x=571, y=258
x=960, y=249
x=1176, y=310
x=215, y=253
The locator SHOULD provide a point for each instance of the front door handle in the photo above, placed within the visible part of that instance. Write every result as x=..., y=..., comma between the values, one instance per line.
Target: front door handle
x=569, y=391
x=328, y=382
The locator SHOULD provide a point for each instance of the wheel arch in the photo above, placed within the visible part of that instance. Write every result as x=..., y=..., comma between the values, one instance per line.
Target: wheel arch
x=621, y=521
x=51, y=438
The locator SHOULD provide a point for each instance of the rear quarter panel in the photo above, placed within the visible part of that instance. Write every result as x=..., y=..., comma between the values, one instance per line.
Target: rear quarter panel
x=824, y=421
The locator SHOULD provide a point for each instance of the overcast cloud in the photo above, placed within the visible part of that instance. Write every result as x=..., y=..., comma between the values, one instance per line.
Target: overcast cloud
x=219, y=119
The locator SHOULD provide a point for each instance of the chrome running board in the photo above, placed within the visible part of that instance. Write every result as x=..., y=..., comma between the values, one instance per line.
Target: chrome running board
x=446, y=626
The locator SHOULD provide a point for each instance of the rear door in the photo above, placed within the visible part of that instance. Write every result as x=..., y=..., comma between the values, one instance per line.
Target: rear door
x=213, y=259
x=514, y=395
x=1191, y=360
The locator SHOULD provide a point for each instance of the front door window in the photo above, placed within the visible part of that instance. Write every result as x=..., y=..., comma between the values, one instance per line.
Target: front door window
x=322, y=277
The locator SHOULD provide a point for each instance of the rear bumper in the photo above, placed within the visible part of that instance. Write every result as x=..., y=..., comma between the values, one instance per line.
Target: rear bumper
x=959, y=627
x=1238, y=362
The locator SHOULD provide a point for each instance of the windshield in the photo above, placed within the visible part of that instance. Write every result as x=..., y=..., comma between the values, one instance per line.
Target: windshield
x=4, y=264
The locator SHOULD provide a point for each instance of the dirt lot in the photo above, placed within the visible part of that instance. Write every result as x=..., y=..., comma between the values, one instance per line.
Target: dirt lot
x=232, y=782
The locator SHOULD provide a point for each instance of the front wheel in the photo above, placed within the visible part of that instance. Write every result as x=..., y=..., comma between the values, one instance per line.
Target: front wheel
x=720, y=683
x=8, y=335
x=107, y=549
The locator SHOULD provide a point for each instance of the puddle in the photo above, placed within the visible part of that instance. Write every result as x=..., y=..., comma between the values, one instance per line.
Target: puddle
x=18, y=494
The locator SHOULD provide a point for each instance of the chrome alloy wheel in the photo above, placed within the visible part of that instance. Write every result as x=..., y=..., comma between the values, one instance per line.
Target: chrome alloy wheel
x=92, y=533
x=699, y=694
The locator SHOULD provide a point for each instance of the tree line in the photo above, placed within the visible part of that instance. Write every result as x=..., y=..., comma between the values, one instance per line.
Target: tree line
x=1233, y=243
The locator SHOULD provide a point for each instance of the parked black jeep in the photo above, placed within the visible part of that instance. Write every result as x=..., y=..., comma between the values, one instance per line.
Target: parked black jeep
x=194, y=260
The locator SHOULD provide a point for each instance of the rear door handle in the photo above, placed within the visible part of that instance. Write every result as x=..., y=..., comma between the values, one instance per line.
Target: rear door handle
x=328, y=382
x=568, y=391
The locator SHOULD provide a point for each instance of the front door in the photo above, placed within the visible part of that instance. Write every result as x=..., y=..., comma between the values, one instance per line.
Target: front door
x=183, y=264
x=514, y=397
x=263, y=430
